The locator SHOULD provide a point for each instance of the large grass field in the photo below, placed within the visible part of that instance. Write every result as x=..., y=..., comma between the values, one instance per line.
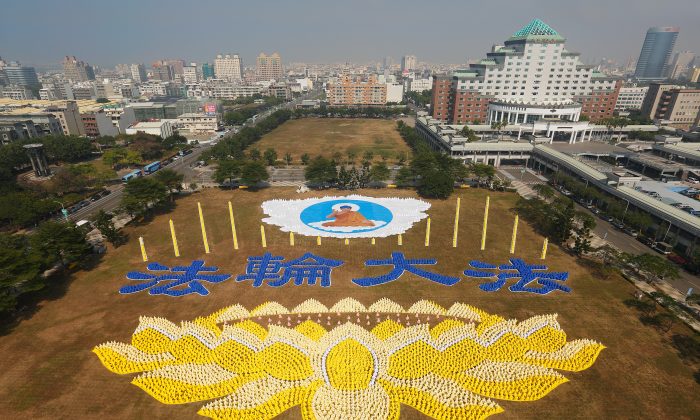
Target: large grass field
x=325, y=136
x=48, y=370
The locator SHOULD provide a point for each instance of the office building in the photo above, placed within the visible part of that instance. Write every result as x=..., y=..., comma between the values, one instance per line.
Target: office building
x=681, y=63
x=268, y=67
x=207, y=71
x=163, y=72
x=695, y=74
x=191, y=73
x=280, y=90
x=16, y=92
x=678, y=108
x=21, y=76
x=408, y=63
x=45, y=123
x=69, y=118
x=532, y=76
x=198, y=123
x=388, y=62
x=97, y=124
x=353, y=91
x=138, y=73
x=219, y=89
x=228, y=67
x=653, y=96
x=655, y=54
x=418, y=85
x=631, y=98
x=77, y=71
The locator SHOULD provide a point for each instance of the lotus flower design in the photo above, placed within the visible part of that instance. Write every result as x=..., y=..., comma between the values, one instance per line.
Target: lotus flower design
x=450, y=364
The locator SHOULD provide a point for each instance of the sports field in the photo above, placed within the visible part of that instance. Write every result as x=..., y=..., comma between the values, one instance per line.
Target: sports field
x=325, y=136
x=48, y=368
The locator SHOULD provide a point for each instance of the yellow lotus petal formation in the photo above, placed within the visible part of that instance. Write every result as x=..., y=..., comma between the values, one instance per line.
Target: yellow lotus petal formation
x=253, y=369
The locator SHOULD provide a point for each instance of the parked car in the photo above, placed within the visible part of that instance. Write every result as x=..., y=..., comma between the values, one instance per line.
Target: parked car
x=633, y=233
x=618, y=224
x=645, y=240
x=662, y=247
x=677, y=259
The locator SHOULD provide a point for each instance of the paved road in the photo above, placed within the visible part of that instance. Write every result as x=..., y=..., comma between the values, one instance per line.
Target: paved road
x=182, y=165
x=612, y=235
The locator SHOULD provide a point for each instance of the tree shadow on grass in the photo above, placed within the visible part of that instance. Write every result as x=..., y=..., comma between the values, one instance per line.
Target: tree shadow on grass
x=56, y=287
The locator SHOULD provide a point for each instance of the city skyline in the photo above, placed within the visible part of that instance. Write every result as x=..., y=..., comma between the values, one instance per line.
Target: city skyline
x=465, y=33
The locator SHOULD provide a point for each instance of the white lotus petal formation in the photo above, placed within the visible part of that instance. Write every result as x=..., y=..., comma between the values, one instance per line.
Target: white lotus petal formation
x=451, y=363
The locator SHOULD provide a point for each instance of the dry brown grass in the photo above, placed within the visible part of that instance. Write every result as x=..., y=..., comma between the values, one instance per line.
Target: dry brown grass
x=325, y=136
x=48, y=370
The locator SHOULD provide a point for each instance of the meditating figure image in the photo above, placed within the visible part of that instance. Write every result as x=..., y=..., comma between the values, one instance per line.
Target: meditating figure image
x=345, y=216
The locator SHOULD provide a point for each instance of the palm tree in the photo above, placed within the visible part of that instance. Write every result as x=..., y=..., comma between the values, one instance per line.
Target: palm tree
x=499, y=126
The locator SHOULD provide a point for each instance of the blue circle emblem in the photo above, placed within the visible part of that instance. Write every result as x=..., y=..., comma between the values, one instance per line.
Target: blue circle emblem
x=346, y=216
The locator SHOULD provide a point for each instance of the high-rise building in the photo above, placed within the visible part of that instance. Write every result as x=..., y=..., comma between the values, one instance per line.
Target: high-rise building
x=76, y=70
x=191, y=73
x=23, y=76
x=388, y=62
x=408, y=63
x=681, y=63
x=177, y=65
x=532, y=76
x=228, y=67
x=207, y=71
x=138, y=73
x=678, y=108
x=164, y=73
x=349, y=91
x=268, y=67
x=695, y=75
x=653, y=96
x=656, y=51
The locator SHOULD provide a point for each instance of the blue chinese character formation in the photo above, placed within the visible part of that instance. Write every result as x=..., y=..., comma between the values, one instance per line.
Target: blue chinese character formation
x=308, y=268
x=527, y=273
x=401, y=265
x=169, y=282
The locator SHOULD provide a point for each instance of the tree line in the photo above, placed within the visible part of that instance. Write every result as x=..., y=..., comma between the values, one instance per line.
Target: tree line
x=27, y=261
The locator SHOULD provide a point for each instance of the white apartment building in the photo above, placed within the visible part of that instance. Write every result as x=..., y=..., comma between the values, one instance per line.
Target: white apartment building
x=191, y=73
x=198, y=123
x=394, y=92
x=220, y=89
x=631, y=97
x=417, y=85
x=228, y=67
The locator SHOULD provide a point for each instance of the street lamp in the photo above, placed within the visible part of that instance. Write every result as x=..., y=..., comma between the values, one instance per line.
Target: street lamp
x=625, y=213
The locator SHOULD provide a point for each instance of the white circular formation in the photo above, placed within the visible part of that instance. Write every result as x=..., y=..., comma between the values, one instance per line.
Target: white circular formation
x=287, y=215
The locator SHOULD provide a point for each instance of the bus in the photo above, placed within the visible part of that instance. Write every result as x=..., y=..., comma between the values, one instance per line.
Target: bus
x=151, y=167
x=133, y=174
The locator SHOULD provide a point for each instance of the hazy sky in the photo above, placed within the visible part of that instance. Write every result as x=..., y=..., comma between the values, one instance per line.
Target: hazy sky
x=41, y=32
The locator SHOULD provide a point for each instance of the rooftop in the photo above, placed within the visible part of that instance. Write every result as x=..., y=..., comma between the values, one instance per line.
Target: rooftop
x=536, y=30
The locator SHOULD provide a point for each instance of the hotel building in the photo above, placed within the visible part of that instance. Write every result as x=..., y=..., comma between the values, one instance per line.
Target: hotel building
x=529, y=78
